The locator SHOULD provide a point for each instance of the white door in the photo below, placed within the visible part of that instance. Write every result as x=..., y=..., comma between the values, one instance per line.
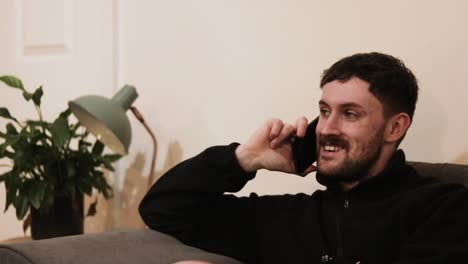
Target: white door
x=68, y=46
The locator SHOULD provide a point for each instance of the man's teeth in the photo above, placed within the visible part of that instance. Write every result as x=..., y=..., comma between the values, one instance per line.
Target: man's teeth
x=331, y=148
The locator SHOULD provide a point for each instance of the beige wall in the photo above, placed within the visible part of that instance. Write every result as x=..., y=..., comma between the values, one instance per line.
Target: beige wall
x=210, y=71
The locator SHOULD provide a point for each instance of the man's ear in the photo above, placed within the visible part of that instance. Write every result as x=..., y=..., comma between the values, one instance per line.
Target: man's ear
x=397, y=126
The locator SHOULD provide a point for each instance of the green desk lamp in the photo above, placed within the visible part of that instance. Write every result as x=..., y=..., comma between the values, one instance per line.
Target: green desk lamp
x=107, y=120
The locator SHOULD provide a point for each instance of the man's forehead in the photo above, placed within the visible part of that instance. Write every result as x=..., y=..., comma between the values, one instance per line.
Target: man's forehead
x=352, y=92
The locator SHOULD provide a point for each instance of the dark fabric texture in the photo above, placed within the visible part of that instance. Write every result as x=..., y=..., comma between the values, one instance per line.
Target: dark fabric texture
x=398, y=216
x=131, y=246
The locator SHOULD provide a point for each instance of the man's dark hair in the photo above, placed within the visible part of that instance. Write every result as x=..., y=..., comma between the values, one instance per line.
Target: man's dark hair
x=390, y=81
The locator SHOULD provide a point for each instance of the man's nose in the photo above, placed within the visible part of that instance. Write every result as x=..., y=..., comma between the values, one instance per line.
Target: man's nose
x=330, y=125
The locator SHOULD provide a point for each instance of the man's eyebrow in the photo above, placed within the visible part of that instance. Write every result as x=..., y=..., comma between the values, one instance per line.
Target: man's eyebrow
x=352, y=105
x=321, y=102
x=344, y=105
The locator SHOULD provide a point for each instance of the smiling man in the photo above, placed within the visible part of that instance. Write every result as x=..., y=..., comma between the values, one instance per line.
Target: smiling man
x=375, y=209
x=351, y=133
x=367, y=105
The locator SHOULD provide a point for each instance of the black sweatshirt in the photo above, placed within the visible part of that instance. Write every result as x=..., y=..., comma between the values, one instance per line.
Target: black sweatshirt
x=397, y=216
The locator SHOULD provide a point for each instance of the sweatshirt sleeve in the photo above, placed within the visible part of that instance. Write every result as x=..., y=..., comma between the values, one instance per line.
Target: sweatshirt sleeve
x=188, y=202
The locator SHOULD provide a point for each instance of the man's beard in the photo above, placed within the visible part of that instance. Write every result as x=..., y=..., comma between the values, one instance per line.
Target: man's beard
x=352, y=168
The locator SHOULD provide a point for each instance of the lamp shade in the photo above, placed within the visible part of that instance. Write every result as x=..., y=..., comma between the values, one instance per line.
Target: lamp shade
x=106, y=118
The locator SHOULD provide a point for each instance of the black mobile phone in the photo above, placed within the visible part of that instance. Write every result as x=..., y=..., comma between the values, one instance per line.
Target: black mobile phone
x=304, y=149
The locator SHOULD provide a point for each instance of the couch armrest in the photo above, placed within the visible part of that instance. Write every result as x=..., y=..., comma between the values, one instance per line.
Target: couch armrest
x=129, y=246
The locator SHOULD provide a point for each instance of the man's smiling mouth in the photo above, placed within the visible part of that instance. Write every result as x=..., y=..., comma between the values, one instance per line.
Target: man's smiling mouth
x=331, y=148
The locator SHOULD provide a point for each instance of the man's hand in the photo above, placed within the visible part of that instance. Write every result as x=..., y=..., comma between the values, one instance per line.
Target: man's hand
x=269, y=147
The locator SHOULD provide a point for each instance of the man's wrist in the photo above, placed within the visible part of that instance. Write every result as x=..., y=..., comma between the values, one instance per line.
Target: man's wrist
x=246, y=159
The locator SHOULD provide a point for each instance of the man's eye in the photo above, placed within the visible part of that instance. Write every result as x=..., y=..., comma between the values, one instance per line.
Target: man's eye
x=324, y=112
x=350, y=115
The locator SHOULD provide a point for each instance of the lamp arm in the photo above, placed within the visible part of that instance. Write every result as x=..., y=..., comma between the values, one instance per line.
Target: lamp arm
x=140, y=118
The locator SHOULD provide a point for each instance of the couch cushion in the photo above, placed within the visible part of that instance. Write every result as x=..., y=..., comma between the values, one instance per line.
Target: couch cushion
x=447, y=172
x=129, y=246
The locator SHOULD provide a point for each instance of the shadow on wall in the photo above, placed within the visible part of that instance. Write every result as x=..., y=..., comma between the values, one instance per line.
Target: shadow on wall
x=135, y=187
x=462, y=159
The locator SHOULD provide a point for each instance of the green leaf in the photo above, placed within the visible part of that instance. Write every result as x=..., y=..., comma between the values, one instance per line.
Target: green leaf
x=9, y=141
x=82, y=144
x=36, y=193
x=92, y=208
x=28, y=96
x=106, y=163
x=10, y=199
x=112, y=157
x=5, y=153
x=100, y=183
x=107, y=160
x=65, y=114
x=85, y=186
x=12, y=81
x=36, y=135
x=22, y=206
x=27, y=223
x=35, y=123
x=11, y=186
x=98, y=148
x=6, y=114
x=37, y=96
x=103, y=186
x=60, y=132
x=11, y=129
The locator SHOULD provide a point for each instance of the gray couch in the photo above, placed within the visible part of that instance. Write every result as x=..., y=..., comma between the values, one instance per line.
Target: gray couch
x=147, y=246
x=117, y=247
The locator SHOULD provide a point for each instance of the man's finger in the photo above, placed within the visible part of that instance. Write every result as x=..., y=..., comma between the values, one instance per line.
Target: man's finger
x=301, y=124
x=286, y=132
x=276, y=126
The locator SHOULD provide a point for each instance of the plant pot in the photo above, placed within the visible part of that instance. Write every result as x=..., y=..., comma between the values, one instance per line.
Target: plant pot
x=63, y=219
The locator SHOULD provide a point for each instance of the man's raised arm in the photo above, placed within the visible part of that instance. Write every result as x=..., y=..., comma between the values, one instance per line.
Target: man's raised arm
x=188, y=202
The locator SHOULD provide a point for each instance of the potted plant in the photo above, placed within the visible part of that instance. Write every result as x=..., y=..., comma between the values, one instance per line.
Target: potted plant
x=52, y=165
